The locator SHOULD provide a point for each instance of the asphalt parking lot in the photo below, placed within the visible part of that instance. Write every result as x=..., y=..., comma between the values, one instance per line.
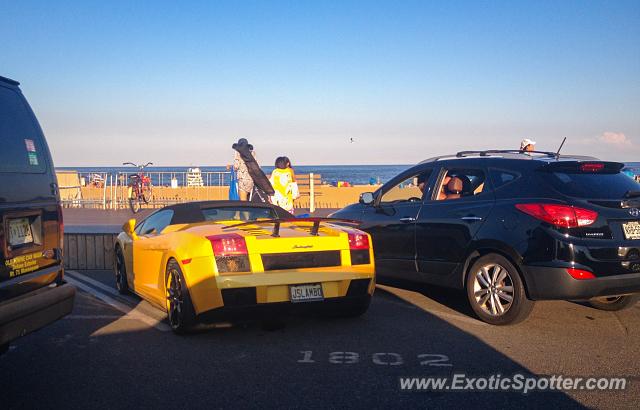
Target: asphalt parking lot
x=115, y=352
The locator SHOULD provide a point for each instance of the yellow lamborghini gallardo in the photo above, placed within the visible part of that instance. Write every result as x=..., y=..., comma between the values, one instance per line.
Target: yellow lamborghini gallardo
x=217, y=261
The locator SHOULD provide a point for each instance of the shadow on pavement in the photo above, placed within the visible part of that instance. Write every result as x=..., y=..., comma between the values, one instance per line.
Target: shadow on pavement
x=452, y=298
x=99, y=359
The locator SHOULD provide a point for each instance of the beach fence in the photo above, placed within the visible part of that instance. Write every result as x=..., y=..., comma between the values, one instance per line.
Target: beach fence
x=89, y=250
x=103, y=190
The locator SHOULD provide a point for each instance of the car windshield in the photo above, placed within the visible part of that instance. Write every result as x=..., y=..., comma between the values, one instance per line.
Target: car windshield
x=238, y=213
x=593, y=186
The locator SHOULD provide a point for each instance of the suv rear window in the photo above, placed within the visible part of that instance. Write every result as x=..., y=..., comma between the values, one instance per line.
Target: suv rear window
x=591, y=186
x=22, y=148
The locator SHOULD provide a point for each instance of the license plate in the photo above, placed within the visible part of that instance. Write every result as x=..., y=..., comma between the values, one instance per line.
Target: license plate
x=306, y=293
x=20, y=232
x=631, y=230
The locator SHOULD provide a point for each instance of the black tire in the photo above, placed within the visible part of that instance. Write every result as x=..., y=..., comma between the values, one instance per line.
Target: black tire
x=497, y=296
x=147, y=193
x=614, y=303
x=4, y=348
x=120, y=271
x=180, y=312
x=134, y=204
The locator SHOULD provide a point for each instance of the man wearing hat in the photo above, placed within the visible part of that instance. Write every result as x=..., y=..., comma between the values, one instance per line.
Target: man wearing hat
x=245, y=182
x=527, y=145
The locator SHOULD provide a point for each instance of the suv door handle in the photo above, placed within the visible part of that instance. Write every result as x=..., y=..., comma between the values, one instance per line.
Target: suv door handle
x=471, y=218
x=407, y=219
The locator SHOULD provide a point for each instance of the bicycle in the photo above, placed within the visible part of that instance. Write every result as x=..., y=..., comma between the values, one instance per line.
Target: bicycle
x=140, y=188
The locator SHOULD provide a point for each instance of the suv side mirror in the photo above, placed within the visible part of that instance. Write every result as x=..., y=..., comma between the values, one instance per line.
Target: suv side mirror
x=129, y=228
x=366, y=198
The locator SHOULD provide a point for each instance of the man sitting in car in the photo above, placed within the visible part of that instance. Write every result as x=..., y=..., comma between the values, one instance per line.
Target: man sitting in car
x=451, y=188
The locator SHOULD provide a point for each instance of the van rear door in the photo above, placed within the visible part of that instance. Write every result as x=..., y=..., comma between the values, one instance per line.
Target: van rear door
x=30, y=216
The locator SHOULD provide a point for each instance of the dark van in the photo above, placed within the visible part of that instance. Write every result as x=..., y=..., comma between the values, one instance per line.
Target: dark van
x=32, y=288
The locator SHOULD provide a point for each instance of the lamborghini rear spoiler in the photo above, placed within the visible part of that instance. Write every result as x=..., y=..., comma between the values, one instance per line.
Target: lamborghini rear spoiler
x=276, y=223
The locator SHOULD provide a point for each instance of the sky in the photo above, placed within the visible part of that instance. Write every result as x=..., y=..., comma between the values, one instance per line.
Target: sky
x=176, y=83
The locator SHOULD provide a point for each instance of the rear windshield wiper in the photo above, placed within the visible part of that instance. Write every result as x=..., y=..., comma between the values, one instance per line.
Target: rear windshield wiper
x=632, y=194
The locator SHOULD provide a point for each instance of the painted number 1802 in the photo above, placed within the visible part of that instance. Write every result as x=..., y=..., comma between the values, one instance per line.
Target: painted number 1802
x=380, y=359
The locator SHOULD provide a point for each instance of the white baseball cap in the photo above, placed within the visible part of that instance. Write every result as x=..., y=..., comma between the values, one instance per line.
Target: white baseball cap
x=526, y=142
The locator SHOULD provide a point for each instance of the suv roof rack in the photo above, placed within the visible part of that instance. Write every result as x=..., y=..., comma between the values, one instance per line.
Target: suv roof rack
x=487, y=153
x=8, y=80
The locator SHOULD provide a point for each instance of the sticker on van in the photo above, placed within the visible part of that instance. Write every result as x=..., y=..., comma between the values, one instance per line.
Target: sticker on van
x=31, y=146
x=22, y=264
x=33, y=158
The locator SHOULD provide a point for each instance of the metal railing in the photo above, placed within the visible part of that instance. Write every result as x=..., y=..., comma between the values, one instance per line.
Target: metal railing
x=158, y=178
x=104, y=190
x=181, y=179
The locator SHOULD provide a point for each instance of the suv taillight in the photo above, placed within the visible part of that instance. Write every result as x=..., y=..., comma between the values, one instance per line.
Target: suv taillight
x=228, y=245
x=580, y=274
x=563, y=216
x=358, y=240
x=592, y=167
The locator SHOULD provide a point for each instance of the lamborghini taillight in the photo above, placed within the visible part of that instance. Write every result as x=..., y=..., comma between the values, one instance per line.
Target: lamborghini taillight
x=359, y=248
x=358, y=240
x=230, y=252
x=228, y=244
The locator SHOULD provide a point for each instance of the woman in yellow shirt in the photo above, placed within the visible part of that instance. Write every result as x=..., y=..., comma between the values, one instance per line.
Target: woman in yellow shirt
x=284, y=183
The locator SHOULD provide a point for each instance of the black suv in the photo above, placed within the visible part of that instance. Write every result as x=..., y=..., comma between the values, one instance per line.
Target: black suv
x=510, y=228
x=32, y=290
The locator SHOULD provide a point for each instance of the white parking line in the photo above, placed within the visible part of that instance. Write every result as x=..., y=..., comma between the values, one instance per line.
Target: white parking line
x=92, y=282
x=151, y=311
x=93, y=317
x=131, y=313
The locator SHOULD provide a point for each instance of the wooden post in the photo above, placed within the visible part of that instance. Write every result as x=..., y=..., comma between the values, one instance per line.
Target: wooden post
x=104, y=192
x=312, y=204
x=111, y=191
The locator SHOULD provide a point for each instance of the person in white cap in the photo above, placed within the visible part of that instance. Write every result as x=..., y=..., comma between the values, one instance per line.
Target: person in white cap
x=527, y=145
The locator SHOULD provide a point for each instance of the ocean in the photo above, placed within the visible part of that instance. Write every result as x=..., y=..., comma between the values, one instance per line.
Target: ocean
x=330, y=174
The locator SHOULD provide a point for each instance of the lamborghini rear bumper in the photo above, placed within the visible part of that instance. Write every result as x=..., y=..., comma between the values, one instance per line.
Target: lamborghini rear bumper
x=265, y=311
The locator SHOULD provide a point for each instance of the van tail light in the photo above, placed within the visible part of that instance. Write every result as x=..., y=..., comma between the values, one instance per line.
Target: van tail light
x=61, y=226
x=358, y=240
x=228, y=245
x=60, y=229
x=563, y=216
x=59, y=253
x=580, y=274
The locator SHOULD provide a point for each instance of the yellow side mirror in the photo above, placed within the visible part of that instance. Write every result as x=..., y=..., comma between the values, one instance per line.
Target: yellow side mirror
x=129, y=228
